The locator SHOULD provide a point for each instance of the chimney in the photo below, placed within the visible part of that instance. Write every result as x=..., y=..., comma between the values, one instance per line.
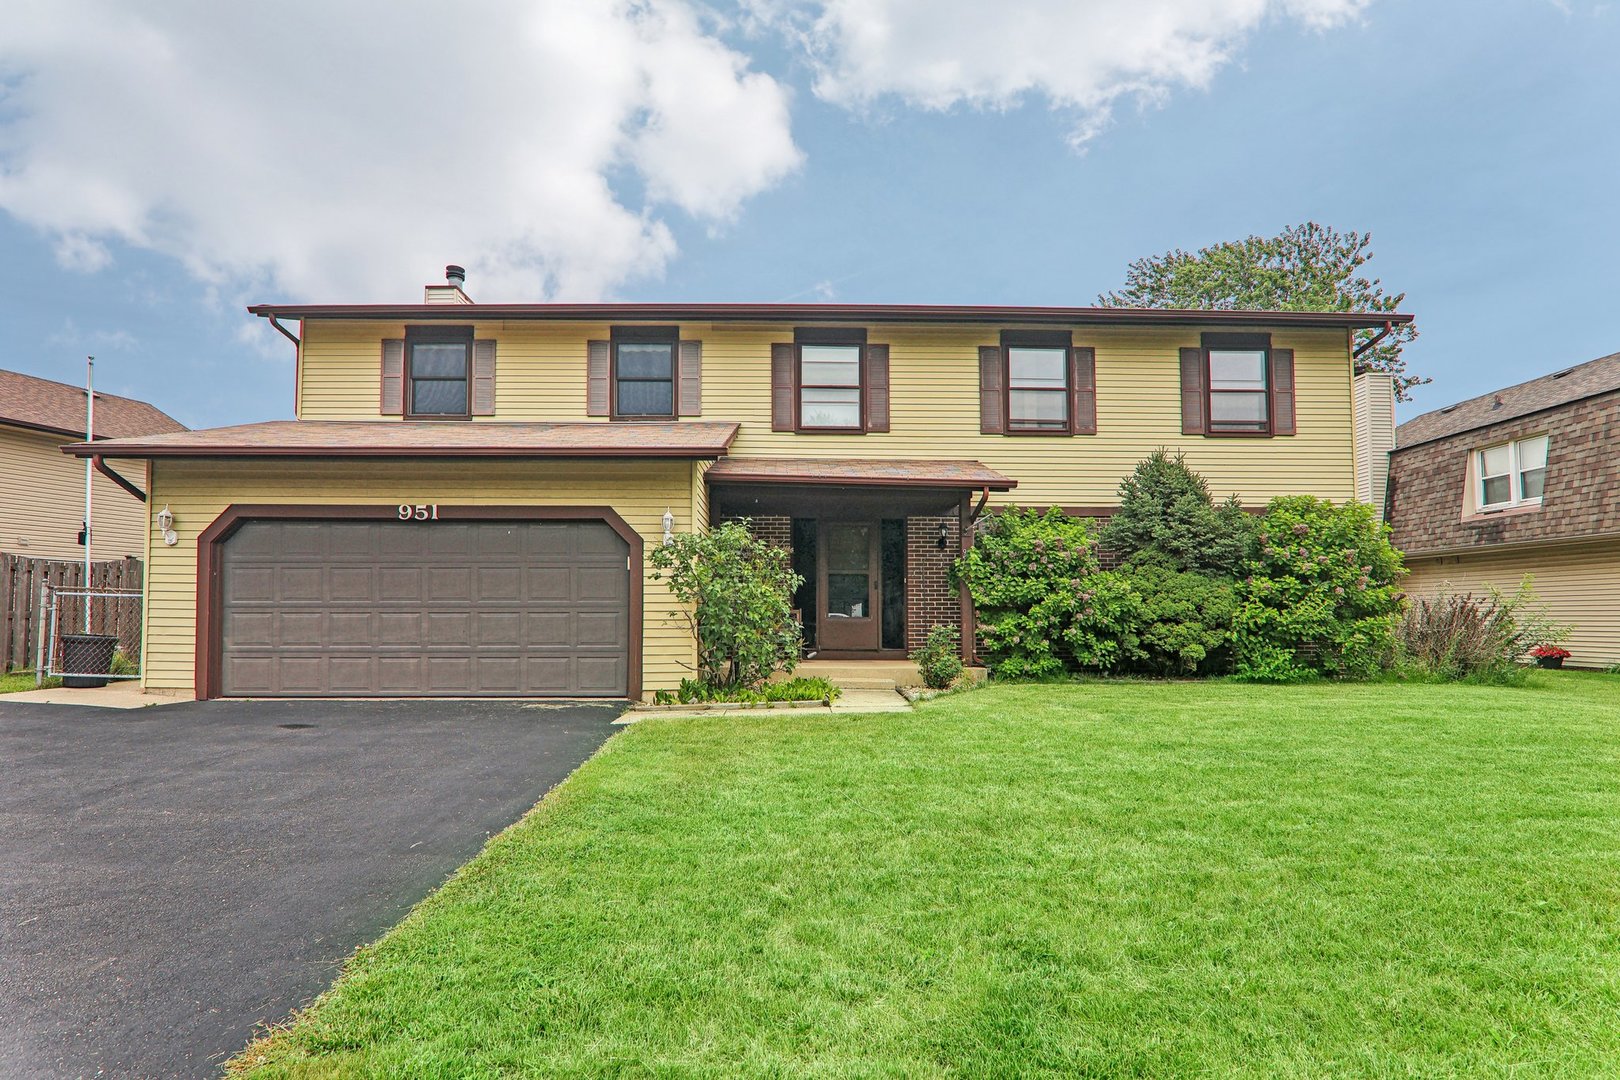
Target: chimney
x=450, y=292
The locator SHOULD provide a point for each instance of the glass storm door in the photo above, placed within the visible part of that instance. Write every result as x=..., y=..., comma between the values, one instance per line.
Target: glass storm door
x=849, y=616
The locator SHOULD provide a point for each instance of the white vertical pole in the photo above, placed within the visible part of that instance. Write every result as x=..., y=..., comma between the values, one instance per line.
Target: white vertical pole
x=89, y=473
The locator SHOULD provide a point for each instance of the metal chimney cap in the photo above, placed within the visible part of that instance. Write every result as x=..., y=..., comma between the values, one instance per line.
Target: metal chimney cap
x=455, y=275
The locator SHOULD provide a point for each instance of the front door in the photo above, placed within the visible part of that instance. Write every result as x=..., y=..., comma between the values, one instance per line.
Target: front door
x=849, y=615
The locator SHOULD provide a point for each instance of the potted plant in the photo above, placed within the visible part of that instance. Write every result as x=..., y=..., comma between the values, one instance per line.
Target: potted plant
x=1549, y=656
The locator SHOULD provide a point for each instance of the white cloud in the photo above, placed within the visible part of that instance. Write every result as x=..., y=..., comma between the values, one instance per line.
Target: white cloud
x=1081, y=55
x=346, y=151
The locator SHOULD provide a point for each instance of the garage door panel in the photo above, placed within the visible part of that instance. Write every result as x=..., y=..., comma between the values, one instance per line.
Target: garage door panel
x=421, y=608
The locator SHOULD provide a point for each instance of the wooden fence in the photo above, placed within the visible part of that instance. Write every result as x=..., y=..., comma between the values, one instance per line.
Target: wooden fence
x=22, y=617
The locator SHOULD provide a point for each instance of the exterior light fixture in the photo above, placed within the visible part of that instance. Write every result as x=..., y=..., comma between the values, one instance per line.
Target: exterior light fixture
x=165, y=524
x=669, y=528
x=944, y=536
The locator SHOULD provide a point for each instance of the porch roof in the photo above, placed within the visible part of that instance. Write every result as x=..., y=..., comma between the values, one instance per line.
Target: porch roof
x=863, y=472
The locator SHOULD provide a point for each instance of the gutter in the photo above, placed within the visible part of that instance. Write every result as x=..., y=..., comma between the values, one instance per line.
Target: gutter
x=106, y=470
x=1389, y=328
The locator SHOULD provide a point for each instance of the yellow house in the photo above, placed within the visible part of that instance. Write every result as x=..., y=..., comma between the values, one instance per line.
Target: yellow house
x=42, y=492
x=466, y=500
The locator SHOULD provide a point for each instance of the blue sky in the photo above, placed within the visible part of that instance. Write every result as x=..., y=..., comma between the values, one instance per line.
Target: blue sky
x=1477, y=142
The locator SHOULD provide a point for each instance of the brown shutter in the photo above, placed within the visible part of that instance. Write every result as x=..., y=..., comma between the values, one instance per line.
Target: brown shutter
x=877, y=388
x=784, y=359
x=1193, y=421
x=598, y=360
x=991, y=418
x=1282, y=391
x=393, y=377
x=691, y=379
x=1083, y=389
x=483, y=378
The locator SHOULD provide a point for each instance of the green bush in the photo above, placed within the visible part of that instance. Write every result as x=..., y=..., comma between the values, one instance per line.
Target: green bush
x=737, y=597
x=1025, y=572
x=1186, y=620
x=940, y=659
x=1166, y=516
x=1320, y=596
x=1474, y=638
x=802, y=688
x=1100, y=622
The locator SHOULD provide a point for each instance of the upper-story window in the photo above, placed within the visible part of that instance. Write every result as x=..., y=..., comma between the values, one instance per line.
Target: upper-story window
x=830, y=378
x=1038, y=370
x=1239, y=391
x=1512, y=473
x=644, y=371
x=438, y=363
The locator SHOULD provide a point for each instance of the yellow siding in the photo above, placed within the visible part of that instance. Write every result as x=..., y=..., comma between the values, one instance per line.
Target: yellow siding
x=198, y=491
x=1579, y=584
x=700, y=495
x=42, y=501
x=935, y=411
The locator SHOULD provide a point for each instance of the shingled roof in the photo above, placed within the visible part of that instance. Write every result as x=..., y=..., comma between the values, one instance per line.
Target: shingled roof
x=1582, y=381
x=44, y=405
x=396, y=438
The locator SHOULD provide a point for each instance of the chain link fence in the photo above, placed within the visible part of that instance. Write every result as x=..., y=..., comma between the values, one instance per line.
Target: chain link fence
x=94, y=635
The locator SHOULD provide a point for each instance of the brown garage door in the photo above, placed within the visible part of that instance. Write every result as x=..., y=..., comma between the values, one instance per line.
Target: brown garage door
x=383, y=608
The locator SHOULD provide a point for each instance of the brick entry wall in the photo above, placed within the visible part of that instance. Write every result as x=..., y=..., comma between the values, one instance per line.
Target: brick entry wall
x=930, y=598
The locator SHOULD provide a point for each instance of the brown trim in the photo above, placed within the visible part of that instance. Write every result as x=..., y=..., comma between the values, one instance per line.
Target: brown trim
x=1037, y=339
x=425, y=453
x=830, y=313
x=936, y=483
x=106, y=470
x=436, y=335
x=645, y=335
x=210, y=555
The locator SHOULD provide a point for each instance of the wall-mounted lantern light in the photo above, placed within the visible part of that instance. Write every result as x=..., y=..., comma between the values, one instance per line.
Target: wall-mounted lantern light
x=165, y=524
x=944, y=536
x=669, y=528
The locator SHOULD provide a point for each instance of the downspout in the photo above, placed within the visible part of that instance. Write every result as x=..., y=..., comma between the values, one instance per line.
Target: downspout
x=106, y=470
x=298, y=362
x=1389, y=328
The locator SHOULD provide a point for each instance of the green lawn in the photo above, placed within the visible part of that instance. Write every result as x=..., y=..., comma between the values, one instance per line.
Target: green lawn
x=1106, y=879
x=18, y=681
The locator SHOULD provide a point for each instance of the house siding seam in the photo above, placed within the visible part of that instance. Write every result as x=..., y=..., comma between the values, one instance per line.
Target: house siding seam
x=1428, y=483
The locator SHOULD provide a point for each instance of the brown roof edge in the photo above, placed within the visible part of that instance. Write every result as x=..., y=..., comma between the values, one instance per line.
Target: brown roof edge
x=824, y=313
x=853, y=472
x=227, y=451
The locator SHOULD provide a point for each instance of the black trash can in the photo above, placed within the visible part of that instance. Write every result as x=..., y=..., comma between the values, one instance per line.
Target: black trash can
x=87, y=659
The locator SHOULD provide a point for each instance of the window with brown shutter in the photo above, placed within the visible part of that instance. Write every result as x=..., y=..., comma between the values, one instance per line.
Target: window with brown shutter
x=1039, y=379
x=832, y=389
x=438, y=372
x=1248, y=387
x=644, y=366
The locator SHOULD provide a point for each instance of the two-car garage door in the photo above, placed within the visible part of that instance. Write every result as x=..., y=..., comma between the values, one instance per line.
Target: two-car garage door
x=381, y=608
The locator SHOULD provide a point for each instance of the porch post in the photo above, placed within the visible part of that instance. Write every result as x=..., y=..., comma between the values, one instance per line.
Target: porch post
x=969, y=622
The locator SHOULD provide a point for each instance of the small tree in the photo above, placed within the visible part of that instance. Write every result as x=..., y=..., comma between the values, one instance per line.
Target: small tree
x=1166, y=517
x=737, y=595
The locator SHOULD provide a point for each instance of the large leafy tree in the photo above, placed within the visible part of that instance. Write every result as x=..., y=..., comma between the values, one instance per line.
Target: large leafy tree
x=1307, y=267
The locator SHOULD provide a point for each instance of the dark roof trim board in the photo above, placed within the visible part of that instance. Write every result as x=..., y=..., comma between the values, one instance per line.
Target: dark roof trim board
x=427, y=439
x=1563, y=387
x=827, y=313
x=860, y=472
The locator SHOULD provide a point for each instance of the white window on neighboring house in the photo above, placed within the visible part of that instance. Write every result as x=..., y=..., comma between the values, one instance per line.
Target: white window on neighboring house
x=1512, y=473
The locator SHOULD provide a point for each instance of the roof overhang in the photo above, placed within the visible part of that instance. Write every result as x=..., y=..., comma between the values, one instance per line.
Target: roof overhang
x=832, y=487
x=913, y=314
x=693, y=440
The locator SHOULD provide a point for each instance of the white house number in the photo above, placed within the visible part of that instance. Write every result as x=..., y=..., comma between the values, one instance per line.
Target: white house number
x=419, y=511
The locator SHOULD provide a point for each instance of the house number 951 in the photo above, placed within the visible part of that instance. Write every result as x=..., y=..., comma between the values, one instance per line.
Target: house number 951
x=419, y=512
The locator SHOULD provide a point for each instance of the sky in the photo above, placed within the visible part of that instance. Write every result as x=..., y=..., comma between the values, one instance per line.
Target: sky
x=164, y=165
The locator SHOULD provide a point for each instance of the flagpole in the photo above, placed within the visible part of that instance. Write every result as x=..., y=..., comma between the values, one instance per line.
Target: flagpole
x=89, y=473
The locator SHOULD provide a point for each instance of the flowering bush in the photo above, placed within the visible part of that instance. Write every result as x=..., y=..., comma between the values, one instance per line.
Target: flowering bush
x=1320, y=595
x=1550, y=652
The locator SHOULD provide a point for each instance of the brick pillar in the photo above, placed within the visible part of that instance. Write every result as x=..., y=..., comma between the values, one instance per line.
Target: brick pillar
x=931, y=600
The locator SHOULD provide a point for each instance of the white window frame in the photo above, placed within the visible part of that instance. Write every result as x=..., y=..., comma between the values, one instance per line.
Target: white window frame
x=1515, y=475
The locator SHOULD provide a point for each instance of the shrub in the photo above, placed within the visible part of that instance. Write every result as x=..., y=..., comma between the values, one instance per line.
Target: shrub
x=940, y=659
x=737, y=594
x=1320, y=594
x=1186, y=620
x=1166, y=516
x=1474, y=638
x=1100, y=621
x=797, y=689
x=1025, y=572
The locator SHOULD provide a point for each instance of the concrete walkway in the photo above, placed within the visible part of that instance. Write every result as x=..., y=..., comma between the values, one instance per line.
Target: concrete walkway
x=118, y=694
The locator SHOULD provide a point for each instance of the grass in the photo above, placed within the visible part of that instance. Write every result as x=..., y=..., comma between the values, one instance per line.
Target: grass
x=1103, y=879
x=14, y=682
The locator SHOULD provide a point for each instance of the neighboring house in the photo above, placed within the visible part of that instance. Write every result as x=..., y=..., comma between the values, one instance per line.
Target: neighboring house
x=1515, y=482
x=466, y=501
x=42, y=492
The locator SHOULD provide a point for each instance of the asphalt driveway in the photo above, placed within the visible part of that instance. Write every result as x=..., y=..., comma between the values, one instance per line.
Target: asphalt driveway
x=171, y=878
